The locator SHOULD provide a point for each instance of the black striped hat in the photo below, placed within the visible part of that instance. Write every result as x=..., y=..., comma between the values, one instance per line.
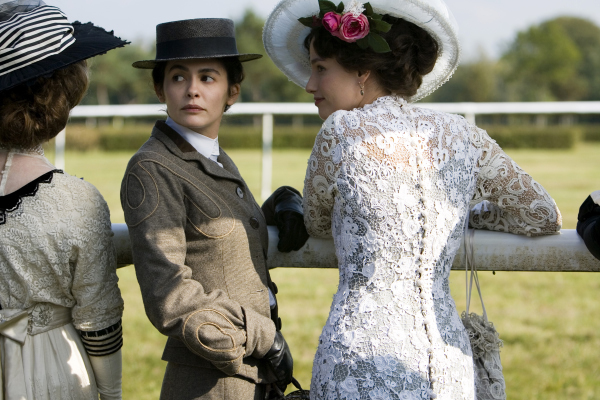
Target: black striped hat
x=37, y=39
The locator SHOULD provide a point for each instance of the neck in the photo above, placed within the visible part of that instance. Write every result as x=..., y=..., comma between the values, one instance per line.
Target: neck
x=372, y=95
x=211, y=131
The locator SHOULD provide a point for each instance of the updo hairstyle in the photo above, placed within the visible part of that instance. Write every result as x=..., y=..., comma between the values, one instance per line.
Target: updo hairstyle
x=414, y=53
x=232, y=65
x=36, y=111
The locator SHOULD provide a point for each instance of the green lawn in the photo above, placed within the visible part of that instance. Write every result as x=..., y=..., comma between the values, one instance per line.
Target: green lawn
x=550, y=322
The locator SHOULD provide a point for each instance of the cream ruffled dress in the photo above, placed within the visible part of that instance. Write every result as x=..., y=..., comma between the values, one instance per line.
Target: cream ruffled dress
x=57, y=277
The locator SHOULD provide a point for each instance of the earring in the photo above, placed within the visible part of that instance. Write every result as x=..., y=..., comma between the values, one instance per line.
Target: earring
x=362, y=87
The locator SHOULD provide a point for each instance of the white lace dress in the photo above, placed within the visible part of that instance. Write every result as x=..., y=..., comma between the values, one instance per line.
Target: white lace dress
x=392, y=183
x=57, y=261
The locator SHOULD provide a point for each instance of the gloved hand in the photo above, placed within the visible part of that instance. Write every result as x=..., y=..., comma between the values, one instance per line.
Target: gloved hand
x=588, y=224
x=292, y=232
x=280, y=360
x=284, y=209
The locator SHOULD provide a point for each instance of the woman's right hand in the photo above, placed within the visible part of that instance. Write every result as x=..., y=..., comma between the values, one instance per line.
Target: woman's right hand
x=280, y=359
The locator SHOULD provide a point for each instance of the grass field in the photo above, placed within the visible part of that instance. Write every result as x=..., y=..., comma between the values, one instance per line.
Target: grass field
x=550, y=322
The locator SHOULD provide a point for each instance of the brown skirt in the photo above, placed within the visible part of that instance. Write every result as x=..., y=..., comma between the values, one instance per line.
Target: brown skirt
x=183, y=382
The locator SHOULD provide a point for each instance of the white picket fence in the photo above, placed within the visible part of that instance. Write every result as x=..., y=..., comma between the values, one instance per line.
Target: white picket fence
x=493, y=251
x=268, y=110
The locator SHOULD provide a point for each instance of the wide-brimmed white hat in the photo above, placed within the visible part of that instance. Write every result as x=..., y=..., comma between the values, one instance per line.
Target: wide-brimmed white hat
x=283, y=36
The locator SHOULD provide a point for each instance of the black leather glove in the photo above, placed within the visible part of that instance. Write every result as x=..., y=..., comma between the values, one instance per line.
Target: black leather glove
x=284, y=209
x=292, y=232
x=588, y=225
x=280, y=360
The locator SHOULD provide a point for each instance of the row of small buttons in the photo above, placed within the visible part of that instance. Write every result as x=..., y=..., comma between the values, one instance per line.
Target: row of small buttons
x=253, y=221
x=422, y=272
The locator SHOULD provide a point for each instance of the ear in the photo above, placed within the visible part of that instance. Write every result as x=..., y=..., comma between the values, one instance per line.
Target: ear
x=159, y=93
x=363, y=76
x=234, y=93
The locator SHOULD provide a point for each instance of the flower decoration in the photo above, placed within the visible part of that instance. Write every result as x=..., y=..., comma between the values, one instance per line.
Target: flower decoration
x=355, y=23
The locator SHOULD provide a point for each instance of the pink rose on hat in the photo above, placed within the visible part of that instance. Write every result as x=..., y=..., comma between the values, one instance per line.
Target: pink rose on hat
x=351, y=24
x=331, y=22
x=353, y=27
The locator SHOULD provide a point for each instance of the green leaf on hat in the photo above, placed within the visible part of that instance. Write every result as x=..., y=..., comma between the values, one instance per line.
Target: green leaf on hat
x=363, y=43
x=377, y=43
x=381, y=26
x=326, y=6
x=340, y=7
x=368, y=9
x=377, y=17
x=306, y=21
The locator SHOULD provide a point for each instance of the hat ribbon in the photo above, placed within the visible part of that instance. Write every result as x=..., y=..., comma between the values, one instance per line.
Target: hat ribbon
x=29, y=37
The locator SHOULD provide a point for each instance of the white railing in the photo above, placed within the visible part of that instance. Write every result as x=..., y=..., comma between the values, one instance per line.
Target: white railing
x=268, y=110
x=493, y=251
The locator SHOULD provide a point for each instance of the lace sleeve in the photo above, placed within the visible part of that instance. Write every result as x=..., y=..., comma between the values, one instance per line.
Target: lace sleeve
x=98, y=300
x=515, y=202
x=319, y=183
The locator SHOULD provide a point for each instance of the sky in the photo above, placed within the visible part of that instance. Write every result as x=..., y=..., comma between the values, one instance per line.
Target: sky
x=484, y=25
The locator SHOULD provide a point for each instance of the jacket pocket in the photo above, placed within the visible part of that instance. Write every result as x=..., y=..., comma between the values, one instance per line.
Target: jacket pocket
x=208, y=213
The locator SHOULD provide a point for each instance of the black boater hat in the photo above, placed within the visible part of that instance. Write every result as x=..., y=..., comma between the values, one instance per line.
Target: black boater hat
x=195, y=38
x=37, y=39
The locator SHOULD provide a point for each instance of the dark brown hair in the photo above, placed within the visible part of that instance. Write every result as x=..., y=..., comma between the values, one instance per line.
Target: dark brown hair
x=414, y=53
x=35, y=112
x=232, y=65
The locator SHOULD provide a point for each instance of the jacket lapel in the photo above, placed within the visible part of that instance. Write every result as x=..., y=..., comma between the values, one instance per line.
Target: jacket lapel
x=182, y=149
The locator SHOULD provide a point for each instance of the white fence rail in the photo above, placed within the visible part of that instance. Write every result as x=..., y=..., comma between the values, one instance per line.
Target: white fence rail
x=268, y=110
x=493, y=251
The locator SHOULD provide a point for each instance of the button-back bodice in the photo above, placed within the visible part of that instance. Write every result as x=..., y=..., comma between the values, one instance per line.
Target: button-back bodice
x=393, y=183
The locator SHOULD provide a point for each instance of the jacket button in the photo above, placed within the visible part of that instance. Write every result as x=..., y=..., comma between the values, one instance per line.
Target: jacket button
x=254, y=223
x=240, y=192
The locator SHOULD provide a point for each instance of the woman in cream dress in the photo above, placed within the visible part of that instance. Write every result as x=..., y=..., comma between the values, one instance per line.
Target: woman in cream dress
x=60, y=317
x=392, y=183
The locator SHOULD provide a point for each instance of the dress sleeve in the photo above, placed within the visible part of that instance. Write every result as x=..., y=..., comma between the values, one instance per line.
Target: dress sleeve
x=320, y=181
x=512, y=200
x=99, y=306
x=211, y=324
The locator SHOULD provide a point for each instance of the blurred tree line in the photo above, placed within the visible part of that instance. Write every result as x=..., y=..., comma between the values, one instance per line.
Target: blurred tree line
x=557, y=60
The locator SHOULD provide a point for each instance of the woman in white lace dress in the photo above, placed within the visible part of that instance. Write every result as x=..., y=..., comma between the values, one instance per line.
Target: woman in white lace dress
x=60, y=306
x=393, y=183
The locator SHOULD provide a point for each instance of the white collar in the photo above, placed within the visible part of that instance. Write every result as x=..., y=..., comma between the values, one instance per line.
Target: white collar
x=206, y=146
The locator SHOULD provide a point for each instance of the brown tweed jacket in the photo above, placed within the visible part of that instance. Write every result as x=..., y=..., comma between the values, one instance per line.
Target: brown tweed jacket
x=199, y=245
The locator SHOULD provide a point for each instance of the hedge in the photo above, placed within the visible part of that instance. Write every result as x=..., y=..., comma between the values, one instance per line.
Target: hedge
x=533, y=137
x=590, y=133
x=131, y=137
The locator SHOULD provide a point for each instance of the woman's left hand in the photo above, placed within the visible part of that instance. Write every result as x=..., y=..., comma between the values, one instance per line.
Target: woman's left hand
x=284, y=209
x=292, y=232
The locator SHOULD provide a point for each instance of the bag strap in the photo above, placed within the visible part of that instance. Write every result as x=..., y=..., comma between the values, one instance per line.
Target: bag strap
x=469, y=238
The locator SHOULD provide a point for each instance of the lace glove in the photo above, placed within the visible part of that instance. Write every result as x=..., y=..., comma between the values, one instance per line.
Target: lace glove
x=588, y=223
x=284, y=209
x=107, y=370
x=280, y=359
